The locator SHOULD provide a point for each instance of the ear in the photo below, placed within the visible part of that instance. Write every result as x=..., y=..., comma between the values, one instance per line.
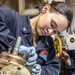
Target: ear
x=46, y=7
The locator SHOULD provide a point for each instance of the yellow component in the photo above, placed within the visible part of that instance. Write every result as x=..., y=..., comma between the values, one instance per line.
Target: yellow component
x=58, y=46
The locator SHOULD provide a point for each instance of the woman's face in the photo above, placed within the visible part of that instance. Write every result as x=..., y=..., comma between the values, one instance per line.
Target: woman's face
x=50, y=23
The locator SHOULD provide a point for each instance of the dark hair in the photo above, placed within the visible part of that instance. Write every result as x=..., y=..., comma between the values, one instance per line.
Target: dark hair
x=62, y=8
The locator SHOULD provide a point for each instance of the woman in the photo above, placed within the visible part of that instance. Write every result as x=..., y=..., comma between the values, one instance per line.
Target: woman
x=36, y=32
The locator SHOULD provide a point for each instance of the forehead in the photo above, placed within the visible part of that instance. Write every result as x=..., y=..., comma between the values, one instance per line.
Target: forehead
x=61, y=21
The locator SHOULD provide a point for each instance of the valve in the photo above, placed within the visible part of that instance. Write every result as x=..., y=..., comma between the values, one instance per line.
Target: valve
x=58, y=46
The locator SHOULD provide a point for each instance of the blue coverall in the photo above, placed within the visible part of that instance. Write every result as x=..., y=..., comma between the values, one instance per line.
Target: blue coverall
x=13, y=25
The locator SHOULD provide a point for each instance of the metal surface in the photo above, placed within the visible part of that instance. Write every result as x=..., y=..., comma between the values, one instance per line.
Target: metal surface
x=30, y=12
x=7, y=58
x=17, y=45
x=70, y=41
x=13, y=69
x=11, y=64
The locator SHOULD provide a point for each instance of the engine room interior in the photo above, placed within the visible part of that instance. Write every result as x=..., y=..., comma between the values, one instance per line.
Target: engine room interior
x=13, y=64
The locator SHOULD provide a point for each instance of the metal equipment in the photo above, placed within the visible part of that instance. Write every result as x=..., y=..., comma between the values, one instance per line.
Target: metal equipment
x=13, y=64
x=58, y=46
x=70, y=42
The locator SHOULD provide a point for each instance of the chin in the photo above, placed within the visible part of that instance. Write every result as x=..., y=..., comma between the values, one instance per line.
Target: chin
x=42, y=35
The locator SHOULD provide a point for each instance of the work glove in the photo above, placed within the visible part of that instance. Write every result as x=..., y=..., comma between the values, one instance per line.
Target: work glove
x=36, y=69
x=29, y=53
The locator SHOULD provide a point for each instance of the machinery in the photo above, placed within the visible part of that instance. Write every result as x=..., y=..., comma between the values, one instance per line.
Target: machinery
x=70, y=41
x=13, y=64
x=58, y=46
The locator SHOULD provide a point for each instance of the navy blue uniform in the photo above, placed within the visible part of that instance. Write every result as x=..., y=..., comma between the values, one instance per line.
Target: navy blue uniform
x=13, y=25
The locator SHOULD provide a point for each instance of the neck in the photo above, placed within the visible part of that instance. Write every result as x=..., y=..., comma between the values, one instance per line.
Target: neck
x=33, y=22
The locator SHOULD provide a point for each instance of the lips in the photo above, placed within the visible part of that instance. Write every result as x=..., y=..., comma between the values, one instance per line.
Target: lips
x=43, y=31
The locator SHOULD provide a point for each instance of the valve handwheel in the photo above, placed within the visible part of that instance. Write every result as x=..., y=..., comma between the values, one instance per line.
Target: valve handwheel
x=58, y=46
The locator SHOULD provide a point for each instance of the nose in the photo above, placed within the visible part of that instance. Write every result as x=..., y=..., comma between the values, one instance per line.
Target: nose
x=50, y=31
x=53, y=31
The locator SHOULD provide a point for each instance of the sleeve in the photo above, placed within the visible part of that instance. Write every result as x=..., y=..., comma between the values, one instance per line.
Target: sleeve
x=52, y=65
x=6, y=37
x=10, y=18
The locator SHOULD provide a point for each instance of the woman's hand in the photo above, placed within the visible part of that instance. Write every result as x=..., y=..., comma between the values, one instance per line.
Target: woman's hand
x=36, y=69
x=29, y=53
x=65, y=57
